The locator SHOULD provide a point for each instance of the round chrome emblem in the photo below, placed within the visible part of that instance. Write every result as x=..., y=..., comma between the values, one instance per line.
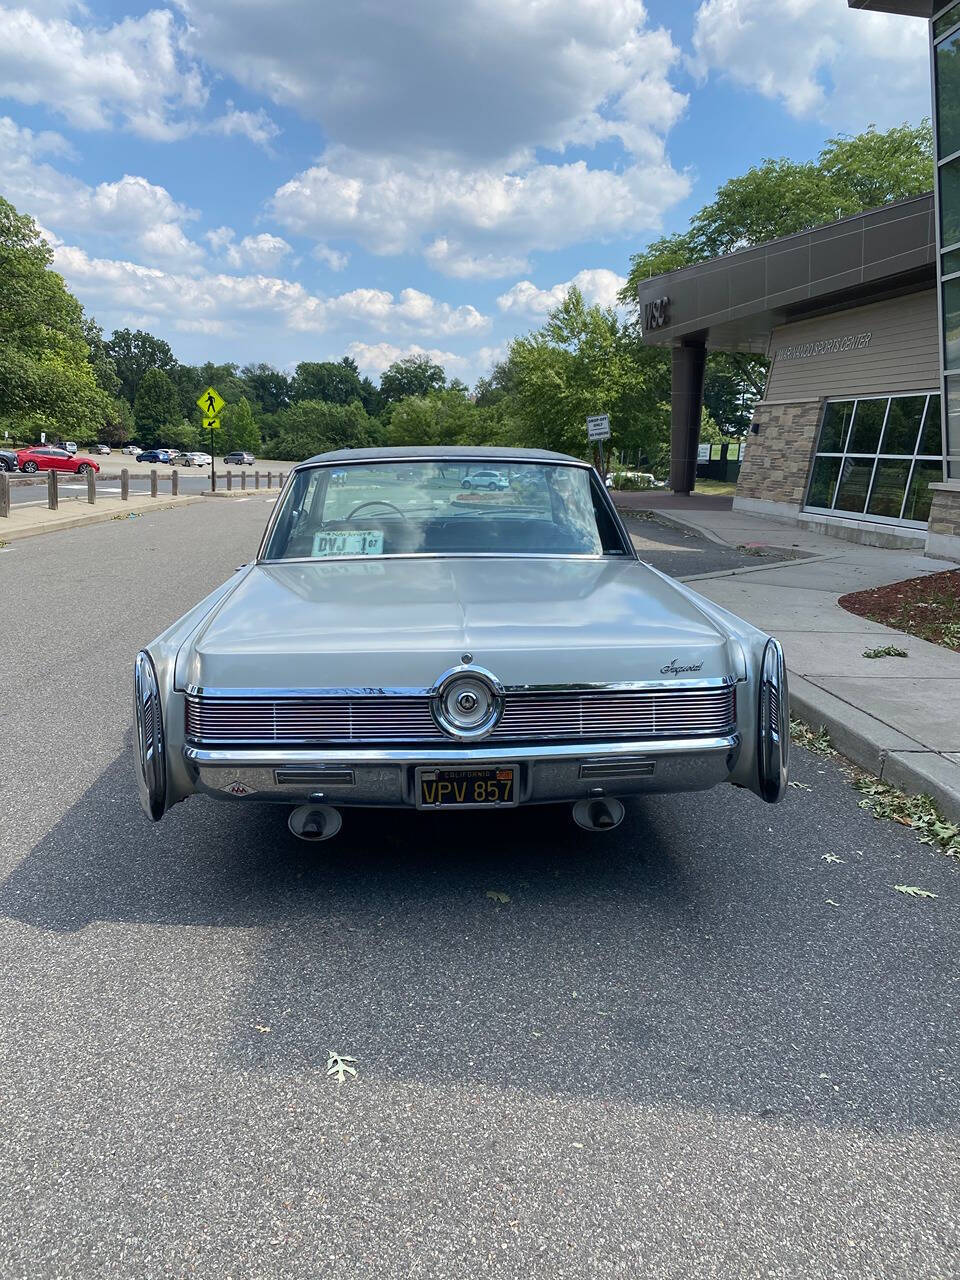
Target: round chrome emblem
x=467, y=703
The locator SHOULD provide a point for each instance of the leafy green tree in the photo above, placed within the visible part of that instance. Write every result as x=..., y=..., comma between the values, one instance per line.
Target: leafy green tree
x=266, y=386
x=239, y=430
x=316, y=426
x=443, y=418
x=411, y=376
x=156, y=408
x=337, y=382
x=133, y=353
x=47, y=382
x=104, y=370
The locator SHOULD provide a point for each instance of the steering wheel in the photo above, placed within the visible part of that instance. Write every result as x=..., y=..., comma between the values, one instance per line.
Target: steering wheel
x=376, y=502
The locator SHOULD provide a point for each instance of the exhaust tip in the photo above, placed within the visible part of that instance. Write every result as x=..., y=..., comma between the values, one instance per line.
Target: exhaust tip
x=315, y=822
x=599, y=813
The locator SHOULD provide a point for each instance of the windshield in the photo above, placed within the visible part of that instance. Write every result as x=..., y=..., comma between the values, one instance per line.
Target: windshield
x=459, y=508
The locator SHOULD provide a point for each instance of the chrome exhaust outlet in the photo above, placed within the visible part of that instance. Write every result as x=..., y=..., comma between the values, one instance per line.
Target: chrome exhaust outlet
x=315, y=822
x=598, y=813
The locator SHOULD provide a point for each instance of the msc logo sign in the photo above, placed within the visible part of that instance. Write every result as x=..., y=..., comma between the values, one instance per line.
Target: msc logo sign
x=656, y=314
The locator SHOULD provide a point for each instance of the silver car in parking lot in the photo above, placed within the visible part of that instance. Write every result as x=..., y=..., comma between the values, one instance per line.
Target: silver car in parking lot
x=402, y=641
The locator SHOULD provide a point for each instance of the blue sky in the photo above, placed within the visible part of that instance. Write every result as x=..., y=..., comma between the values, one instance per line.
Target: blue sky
x=302, y=179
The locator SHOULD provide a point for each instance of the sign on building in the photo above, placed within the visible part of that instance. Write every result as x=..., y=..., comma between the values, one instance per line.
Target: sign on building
x=703, y=453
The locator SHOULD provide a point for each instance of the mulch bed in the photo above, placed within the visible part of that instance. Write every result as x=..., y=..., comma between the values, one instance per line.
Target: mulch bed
x=927, y=607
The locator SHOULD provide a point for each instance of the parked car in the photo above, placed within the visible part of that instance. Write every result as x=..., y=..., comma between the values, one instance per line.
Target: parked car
x=69, y=445
x=194, y=459
x=485, y=480
x=8, y=460
x=388, y=651
x=99, y=448
x=172, y=454
x=47, y=458
x=154, y=455
x=240, y=458
x=131, y=449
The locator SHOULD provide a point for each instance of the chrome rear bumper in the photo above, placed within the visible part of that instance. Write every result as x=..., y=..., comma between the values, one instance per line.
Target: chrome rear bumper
x=385, y=776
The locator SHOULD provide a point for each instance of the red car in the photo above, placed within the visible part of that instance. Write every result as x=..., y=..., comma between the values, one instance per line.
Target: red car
x=44, y=458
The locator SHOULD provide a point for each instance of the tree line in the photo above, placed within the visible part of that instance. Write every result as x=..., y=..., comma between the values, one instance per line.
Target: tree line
x=60, y=374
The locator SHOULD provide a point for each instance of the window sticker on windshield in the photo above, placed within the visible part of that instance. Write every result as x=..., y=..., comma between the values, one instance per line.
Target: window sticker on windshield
x=352, y=542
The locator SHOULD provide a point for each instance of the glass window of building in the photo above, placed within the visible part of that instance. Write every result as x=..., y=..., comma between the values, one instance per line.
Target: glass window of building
x=948, y=94
x=877, y=457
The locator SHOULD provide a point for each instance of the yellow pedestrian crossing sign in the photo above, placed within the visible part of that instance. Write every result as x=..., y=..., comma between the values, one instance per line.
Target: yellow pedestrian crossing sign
x=211, y=402
x=211, y=424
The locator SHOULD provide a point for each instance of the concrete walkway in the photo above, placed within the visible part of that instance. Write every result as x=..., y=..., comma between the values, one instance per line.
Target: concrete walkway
x=899, y=718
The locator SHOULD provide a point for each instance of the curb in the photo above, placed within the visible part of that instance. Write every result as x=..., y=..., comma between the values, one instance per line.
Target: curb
x=877, y=748
x=238, y=493
x=96, y=517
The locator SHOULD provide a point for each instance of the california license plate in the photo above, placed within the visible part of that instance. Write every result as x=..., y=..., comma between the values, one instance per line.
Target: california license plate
x=487, y=788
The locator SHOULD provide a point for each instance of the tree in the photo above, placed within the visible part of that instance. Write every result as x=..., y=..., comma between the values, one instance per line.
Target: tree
x=337, y=382
x=445, y=417
x=47, y=382
x=104, y=370
x=316, y=426
x=156, y=408
x=133, y=353
x=239, y=429
x=267, y=386
x=411, y=376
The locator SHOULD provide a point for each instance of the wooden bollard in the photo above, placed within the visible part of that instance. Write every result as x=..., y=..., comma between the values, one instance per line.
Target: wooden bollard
x=256, y=479
x=153, y=483
x=124, y=485
x=280, y=481
x=53, y=497
x=229, y=480
x=174, y=482
x=269, y=479
x=91, y=486
x=4, y=495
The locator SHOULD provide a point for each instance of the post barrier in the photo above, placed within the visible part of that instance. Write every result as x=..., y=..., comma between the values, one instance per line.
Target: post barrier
x=124, y=485
x=53, y=496
x=229, y=480
x=174, y=483
x=280, y=481
x=243, y=480
x=4, y=495
x=153, y=482
x=91, y=487
x=256, y=479
x=269, y=479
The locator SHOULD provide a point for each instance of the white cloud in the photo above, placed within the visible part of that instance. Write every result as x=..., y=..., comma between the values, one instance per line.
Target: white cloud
x=597, y=285
x=262, y=252
x=373, y=358
x=253, y=125
x=479, y=79
x=137, y=212
x=818, y=58
x=332, y=258
x=453, y=260
x=133, y=73
x=202, y=298
x=500, y=215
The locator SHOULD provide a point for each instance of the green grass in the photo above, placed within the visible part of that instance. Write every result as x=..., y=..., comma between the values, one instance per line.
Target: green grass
x=721, y=488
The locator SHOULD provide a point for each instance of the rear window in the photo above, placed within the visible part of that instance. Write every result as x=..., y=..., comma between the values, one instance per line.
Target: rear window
x=388, y=508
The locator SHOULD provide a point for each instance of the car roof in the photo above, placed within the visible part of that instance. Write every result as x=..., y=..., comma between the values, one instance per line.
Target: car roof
x=449, y=453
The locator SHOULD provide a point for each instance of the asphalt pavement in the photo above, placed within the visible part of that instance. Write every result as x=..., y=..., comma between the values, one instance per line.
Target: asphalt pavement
x=692, y=1047
x=192, y=480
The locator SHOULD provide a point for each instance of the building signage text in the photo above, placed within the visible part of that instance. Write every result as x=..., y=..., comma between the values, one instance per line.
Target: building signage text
x=827, y=346
x=656, y=314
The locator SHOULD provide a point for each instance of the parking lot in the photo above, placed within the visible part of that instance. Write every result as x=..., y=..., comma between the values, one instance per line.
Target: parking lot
x=687, y=1048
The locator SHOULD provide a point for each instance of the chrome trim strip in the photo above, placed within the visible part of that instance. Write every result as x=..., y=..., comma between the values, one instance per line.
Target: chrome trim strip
x=411, y=691
x=460, y=755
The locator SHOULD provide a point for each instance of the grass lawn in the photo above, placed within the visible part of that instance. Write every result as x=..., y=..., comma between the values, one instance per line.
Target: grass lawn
x=722, y=488
x=927, y=607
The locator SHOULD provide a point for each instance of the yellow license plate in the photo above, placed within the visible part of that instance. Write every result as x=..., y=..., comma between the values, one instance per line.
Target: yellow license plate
x=485, y=788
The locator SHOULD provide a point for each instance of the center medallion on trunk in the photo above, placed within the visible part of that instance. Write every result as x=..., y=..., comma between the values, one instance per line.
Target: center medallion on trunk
x=467, y=702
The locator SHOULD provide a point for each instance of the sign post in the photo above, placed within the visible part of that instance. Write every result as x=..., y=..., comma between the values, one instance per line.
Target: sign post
x=598, y=430
x=211, y=402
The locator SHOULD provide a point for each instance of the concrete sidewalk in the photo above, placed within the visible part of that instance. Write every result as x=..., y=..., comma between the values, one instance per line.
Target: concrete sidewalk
x=899, y=718
x=25, y=520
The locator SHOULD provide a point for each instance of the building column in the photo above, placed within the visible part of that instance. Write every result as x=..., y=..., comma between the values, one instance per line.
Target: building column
x=686, y=405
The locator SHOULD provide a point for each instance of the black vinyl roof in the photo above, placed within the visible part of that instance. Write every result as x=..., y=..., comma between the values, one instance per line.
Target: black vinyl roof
x=453, y=453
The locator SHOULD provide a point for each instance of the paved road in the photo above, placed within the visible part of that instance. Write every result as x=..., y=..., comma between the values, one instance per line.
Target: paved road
x=194, y=480
x=668, y=1055
x=684, y=554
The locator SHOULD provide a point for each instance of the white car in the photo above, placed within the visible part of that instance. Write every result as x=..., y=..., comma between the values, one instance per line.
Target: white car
x=194, y=459
x=132, y=449
x=393, y=646
x=485, y=479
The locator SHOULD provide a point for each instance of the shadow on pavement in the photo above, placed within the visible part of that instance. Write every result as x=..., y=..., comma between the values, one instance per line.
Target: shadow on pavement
x=681, y=958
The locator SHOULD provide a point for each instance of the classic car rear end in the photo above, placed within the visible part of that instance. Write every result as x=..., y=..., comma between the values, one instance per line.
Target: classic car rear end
x=401, y=641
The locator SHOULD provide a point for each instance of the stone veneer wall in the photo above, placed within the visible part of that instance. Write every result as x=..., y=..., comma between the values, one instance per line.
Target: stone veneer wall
x=777, y=460
x=943, y=527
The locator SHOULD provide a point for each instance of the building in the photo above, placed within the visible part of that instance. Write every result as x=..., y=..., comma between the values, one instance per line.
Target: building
x=860, y=320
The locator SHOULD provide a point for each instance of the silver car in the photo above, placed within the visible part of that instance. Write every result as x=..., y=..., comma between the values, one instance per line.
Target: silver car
x=399, y=641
